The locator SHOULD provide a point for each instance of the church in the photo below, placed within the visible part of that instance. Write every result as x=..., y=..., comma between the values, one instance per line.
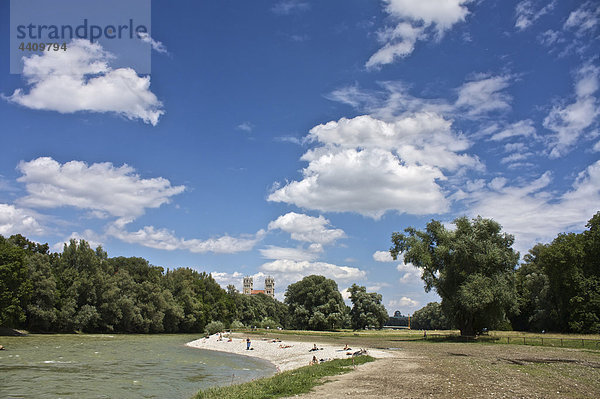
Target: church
x=269, y=287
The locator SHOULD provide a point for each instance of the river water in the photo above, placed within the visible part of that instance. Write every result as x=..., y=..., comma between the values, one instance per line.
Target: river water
x=116, y=366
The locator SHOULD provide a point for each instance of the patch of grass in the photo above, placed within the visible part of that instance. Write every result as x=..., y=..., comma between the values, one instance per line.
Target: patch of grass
x=284, y=384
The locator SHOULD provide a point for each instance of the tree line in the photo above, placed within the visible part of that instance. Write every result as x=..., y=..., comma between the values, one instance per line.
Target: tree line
x=82, y=289
x=473, y=268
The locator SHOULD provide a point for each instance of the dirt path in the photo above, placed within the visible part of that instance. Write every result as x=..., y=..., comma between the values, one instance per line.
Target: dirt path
x=450, y=370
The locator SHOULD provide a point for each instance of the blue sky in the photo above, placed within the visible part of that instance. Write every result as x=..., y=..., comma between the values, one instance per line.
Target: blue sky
x=292, y=137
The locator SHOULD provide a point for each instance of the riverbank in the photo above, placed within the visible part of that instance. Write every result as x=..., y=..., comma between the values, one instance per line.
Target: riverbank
x=284, y=354
x=441, y=369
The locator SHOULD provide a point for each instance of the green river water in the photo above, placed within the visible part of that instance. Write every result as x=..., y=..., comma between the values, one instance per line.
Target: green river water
x=116, y=366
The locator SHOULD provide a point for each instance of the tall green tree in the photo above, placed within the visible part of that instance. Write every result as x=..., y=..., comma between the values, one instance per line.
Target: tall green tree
x=15, y=286
x=560, y=287
x=367, y=309
x=315, y=303
x=471, y=268
x=430, y=317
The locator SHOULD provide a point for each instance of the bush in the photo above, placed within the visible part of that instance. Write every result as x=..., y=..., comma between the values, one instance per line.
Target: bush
x=269, y=323
x=214, y=327
x=237, y=325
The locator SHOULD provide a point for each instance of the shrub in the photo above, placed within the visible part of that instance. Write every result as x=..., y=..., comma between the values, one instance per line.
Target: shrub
x=214, y=327
x=237, y=325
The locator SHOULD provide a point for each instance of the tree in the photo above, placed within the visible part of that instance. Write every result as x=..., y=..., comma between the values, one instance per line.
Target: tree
x=559, y=284
x=430, y=317
x=15, y=286
x=367, y=309
x=315, y=303
x=471, y=268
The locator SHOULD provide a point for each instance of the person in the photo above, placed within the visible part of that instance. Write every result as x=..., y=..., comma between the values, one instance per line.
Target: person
x=248, y=343
x=220, y=337
x=230, y=339
x=346, y=348
x=314, y=348
x=1, y=348
x=313, y=361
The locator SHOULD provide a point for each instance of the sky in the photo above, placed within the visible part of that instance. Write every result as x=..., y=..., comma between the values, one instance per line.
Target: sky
x=293, y=137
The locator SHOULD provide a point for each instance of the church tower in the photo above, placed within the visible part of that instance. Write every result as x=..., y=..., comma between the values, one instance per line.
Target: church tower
x=270, y=287
x=248, y=283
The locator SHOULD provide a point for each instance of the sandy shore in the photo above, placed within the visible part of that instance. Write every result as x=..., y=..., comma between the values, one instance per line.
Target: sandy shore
x=284, y=354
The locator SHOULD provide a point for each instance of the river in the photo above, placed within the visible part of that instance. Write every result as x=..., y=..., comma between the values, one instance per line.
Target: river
x=116, y=366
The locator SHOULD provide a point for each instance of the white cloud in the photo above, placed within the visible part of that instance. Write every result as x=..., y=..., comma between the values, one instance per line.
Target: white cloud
x=151, y=237
x=423, y=138
x=81, y=79
x=368, y=182
x=102, y=187
x=534, y=213
x=399, y=42
x=93, y=239
x=292, y=271
x=523, y=128
x=382, y=256
x=307, y=228
x=369, y=166
x=484, y=94
x=376, y=287
x=415, y=20
x=287, y=7
x=403, y=303
x=246, y=126
x=155, y=44
x=570, y=121
x=584, y=19
x=224, y=279
x=15, y=220
x=527, y=14
x=296, y=254
x=345, y=294
x=410, y=273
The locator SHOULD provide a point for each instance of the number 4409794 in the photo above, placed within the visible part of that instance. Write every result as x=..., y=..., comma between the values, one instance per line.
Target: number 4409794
x=43, y=47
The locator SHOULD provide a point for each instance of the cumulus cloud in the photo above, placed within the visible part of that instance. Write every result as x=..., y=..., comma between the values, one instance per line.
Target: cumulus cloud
x=570, y=121
x=368, y=182
x=410, y=273
x=403, y=303
x=151, y=237
x=533, y=212
x=369, y=166
x=415, y=20
x=81, y=79
x=224, y=279
x=382, y=256
x=307, y=228
x=102, y=187
x=15, y=220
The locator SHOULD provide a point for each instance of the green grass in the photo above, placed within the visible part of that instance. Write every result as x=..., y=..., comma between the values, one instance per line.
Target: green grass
x=383, y=338
x=284, y=384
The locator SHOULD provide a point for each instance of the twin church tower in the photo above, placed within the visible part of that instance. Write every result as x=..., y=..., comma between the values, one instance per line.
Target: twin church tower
x=269, y=287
